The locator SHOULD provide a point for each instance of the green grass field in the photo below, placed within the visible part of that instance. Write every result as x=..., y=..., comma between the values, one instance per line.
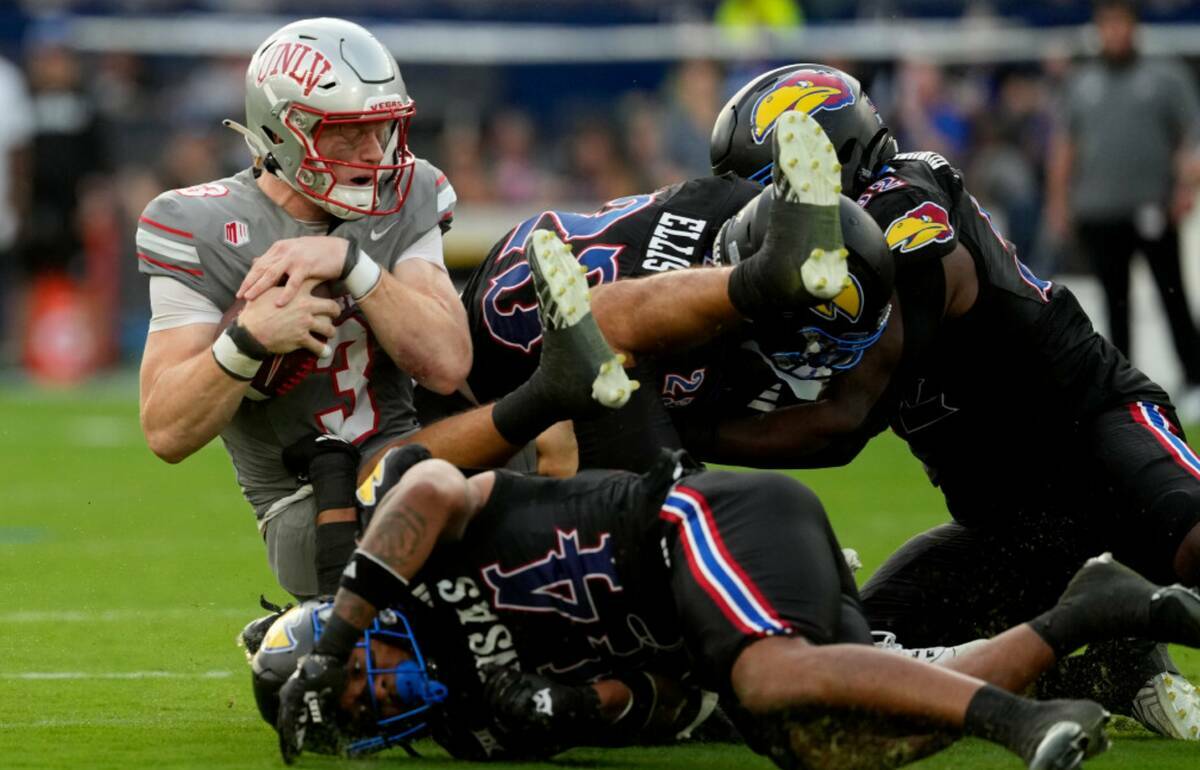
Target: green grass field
x=125, y=581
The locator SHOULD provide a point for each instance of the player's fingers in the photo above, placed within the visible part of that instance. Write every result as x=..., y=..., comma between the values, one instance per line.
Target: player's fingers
x=268, y=277
x=326, y=307
x=319, y=348
x=250, y=279
x=257, y=268
x=324, y=326
x=294, y=281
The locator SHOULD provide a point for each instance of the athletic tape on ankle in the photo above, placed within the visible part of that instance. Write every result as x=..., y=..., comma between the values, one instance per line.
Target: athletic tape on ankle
x=232, y=359
x=367, y=576
x=363, y=277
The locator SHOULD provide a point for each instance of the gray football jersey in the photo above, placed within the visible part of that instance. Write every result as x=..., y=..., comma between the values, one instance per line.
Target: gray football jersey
x=206, y=237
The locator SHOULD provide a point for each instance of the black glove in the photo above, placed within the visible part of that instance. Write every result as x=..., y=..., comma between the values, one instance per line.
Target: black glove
x=308, y=703
x=535, y=711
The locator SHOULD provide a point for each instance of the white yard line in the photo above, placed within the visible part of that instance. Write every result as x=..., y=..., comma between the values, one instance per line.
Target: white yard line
x=155, y=613
x=158, y=720
x=57, y=675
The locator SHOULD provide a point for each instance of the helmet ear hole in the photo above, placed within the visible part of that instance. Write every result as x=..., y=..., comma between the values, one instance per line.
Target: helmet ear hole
x=274, y=137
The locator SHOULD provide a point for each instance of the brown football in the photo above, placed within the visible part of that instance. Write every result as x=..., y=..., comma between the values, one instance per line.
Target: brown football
x=280, y=372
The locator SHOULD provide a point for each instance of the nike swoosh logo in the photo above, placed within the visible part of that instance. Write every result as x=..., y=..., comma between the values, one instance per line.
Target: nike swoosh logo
x=377, y=234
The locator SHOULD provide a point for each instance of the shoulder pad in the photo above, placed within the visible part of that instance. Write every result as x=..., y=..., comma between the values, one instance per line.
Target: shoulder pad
x=915, y=216
x=932, y=159
x=166, y=243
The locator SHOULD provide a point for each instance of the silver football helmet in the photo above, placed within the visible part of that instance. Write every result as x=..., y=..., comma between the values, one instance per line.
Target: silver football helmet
x=315, y=75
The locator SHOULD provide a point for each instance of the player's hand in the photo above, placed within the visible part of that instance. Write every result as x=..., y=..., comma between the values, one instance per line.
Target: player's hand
x=292, y=326
x=310, y=256
x=308, y=703
x=530, y=707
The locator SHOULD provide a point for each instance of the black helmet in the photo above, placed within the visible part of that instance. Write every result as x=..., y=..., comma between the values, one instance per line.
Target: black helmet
x=815, y=343
x=741, y=138
x=295, y=633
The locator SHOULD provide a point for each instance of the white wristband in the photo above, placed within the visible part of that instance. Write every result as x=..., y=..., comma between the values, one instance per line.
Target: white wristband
x=230, y=358
x=365, y=276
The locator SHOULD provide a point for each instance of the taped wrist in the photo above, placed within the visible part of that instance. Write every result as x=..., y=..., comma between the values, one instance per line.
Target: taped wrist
x=338, y=638
x=238, y=353
x=334, y=477
x=367, y=576
x=335, y=546
x=360, y=273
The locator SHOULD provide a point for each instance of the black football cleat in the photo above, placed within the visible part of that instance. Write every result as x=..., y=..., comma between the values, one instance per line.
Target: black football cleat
x=1062, y=734
x=1108, y=600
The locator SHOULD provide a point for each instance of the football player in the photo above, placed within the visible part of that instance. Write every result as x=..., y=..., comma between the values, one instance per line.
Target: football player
x=687, y=330
x=1046, y=443
x=334, y=200
x=733, y=579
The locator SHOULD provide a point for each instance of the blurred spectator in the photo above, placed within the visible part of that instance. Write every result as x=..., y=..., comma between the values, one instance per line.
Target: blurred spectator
x=1116, y=175
x=191, y=158
x=1010, y=142
x=461, y=158
x=930, y=112
x=67, y=148
x=644, y=139
x=16, y=126
x=597, y=171
x=516, y=177
x=693, y=100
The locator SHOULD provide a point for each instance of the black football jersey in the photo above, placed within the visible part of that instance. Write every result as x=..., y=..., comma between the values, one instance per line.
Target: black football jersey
x=670, y=229
x=1001, y=389
x=571, y=583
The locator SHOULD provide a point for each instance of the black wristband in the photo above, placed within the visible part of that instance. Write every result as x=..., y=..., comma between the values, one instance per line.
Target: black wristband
x=377, y=584
x=335, y=546
x=246, y=342
x=334, y=477
x=351, y=258
x=338, y=638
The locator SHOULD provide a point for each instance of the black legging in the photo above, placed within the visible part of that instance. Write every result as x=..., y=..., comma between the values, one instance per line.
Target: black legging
x=1110, y=247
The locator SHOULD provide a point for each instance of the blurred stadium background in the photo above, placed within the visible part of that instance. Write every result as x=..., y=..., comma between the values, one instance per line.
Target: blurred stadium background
x=126, y=579
x=104, y=103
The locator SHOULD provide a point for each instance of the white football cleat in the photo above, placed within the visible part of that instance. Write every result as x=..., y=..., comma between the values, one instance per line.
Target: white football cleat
x=807, y=171
x=1169, y=705
x=564, y=305
x=939, y=656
